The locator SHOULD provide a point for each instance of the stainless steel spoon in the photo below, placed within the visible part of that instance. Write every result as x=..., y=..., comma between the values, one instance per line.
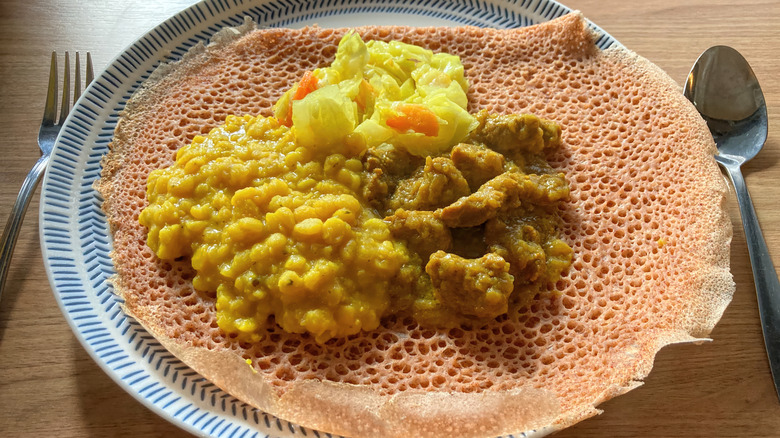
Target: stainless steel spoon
x=725, y=91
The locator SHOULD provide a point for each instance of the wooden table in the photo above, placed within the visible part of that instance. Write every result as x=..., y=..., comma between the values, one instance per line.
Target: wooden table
x=49, y=386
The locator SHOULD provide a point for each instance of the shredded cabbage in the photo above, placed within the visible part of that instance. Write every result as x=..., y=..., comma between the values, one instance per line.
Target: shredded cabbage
x=370, y=83
x=323, y=118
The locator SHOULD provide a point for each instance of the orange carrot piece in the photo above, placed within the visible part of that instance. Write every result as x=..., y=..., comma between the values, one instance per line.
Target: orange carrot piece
x=416, y=118
x=308, y=84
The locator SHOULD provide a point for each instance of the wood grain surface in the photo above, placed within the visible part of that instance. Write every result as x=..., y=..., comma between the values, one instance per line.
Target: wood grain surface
x=49, y=386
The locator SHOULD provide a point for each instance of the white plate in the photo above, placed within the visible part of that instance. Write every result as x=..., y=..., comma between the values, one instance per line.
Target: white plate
x=74, y=234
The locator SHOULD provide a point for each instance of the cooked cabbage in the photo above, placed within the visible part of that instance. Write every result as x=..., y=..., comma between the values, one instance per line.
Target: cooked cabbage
x=392, y=93
x=323, y=118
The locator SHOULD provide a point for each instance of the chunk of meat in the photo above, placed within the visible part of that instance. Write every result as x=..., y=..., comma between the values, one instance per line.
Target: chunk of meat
x=528, y=242
x=394, y=162
x=504, y=192
x=537, y=165
x=477, y=163
x=520, y=243
x=516, y=134
x=423, y=232
x=376, y=188
x=386, y=166
x=475, y=287
x=434, y=185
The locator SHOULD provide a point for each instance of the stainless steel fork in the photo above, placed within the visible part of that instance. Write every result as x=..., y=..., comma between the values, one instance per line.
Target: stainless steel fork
x=47, y=135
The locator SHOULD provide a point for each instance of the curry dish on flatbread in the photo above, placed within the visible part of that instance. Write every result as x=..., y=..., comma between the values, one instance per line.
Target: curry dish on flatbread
x=644, y=217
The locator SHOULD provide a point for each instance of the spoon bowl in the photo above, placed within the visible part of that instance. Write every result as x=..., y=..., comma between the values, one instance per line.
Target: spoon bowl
x=725, y=91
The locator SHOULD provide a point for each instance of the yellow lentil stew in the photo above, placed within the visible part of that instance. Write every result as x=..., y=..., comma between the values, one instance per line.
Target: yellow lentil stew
x=275, y=229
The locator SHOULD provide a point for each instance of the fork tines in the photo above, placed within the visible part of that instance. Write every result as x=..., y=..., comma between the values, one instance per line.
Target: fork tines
x=51, y=95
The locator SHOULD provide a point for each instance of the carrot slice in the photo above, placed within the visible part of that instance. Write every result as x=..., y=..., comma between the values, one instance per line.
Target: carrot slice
x=308, y=84
x=416, y=118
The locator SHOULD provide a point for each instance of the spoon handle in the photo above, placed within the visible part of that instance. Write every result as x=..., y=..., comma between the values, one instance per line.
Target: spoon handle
x=764, y=275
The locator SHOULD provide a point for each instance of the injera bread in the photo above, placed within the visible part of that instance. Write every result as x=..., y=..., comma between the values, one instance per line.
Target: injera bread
x=646, y=221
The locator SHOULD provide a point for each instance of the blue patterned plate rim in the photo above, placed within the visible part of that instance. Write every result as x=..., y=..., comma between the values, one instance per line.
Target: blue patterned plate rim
x=75, y=237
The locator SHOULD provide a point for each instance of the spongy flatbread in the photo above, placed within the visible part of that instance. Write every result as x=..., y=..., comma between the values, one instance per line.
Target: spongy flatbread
x=646, y=221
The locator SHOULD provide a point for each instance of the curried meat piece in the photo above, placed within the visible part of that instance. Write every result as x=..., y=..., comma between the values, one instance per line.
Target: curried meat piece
x=515, y=135
x=476, y=287
x=506, y=191
x=528, y=242
x=386, y=166
x=520, y=243
x=434, y=185
x=422, y=231
x=535, y=164
x=477, y=163
x=394, y=162
x=375, y=189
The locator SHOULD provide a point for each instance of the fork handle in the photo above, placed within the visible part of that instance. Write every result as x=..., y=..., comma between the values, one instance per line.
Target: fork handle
x=14, y=224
